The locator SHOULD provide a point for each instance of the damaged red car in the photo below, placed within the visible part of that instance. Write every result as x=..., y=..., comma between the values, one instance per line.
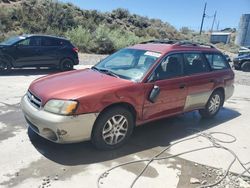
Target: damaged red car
x=135, y=85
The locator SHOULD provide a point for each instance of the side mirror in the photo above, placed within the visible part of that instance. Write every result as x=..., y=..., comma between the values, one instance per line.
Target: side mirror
x=154, y=94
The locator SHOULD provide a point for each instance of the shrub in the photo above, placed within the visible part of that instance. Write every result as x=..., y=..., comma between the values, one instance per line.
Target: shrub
x=81, y=37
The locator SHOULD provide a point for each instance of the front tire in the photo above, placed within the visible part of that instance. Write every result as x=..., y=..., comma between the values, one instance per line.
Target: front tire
x=5, y=67
x=213, y=105
x=112, y=128
x=66, y=65
x=246, y=66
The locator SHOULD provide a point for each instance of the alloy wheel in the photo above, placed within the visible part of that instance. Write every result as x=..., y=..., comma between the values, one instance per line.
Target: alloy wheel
x=214, y=104
x=115, y=130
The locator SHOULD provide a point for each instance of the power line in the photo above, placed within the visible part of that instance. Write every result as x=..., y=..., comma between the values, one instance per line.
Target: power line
x=203, y=16
x=213, y=21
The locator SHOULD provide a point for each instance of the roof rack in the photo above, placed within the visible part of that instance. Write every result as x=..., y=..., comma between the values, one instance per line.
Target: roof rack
x=160, y=42
x=179, y=43
x=190, y=43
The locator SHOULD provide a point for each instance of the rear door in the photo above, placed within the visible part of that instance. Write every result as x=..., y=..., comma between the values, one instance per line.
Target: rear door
x=50, y=50
x=222, y=72
x=170, y=78
x=201, y=80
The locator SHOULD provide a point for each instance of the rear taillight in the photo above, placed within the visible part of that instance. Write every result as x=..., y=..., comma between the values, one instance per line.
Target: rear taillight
x=76, y=50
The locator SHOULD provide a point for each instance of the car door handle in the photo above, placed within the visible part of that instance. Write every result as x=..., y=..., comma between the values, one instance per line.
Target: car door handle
x=212, y=80
x=182, y=86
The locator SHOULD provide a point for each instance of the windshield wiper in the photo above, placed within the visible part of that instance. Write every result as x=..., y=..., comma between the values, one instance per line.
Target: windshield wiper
x=95, y=68
x=106, y=71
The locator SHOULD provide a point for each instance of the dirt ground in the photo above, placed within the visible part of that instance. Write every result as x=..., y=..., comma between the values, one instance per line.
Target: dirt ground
x=27, y=160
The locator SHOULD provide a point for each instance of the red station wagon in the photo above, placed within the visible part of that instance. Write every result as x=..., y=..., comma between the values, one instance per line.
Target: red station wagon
x=135, y=85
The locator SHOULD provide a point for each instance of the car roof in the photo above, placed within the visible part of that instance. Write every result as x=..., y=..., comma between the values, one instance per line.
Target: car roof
x=41, y=35
x=165, y=47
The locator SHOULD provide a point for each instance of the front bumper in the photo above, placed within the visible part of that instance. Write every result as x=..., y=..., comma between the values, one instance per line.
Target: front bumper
x=58, y=128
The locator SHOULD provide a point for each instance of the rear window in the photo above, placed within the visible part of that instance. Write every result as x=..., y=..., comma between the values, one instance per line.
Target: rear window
x=195, y=63
x=217, y=61
x=54, y=42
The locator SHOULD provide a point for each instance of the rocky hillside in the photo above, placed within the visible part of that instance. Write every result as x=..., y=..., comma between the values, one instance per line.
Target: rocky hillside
x=65, y=19
x=90, y=30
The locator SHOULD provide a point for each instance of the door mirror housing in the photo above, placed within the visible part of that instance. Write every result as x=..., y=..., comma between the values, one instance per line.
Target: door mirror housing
x=154, y=94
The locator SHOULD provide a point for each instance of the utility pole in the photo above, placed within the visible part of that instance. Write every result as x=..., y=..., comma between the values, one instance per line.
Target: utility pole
x=213, y=21
x=203, y=16
x=218, y=24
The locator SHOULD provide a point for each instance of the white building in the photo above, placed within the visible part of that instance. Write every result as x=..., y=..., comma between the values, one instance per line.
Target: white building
x=243, y=35
x=220, y=37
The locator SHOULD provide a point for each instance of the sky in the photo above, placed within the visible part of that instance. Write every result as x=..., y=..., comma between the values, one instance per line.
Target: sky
x=179, y=13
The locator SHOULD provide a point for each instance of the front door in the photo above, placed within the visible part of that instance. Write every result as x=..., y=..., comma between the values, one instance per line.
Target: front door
x=27, y=52
x=169, y=77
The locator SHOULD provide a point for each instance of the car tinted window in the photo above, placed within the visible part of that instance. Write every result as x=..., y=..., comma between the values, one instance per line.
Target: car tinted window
x=195, y=63
x=64, y=43
x=170, y=67
x=47, y=41
x=217, y=61
x=34, y=41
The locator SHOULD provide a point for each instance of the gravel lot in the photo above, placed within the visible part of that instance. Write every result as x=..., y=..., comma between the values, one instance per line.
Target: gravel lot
x=30, y=161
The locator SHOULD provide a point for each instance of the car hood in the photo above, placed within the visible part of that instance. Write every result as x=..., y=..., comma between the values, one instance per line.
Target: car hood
x=74, y=84
x=244, y=56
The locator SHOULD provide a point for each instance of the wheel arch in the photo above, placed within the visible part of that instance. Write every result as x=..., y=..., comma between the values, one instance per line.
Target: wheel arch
x=222, y=90
x=63, y=58
x=245, y=60
x=125, y=105
x=9, y=59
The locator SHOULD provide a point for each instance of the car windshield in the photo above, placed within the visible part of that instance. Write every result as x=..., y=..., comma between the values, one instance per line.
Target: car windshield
x=131, y=64
x=12, y=40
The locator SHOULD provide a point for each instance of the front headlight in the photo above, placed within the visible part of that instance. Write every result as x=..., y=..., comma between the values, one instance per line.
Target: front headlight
x=63, y=107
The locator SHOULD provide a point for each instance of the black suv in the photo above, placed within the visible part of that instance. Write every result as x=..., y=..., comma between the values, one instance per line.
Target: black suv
x=242, y=62
x=37, y=51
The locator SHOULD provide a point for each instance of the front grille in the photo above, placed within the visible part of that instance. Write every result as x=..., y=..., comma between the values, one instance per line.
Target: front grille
x=35, y=101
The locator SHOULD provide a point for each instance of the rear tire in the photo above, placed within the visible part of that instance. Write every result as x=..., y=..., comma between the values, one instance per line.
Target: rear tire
x=5, y=67
x=66, y=65
x=213, y=105
x=112, y=128
x=246, y=66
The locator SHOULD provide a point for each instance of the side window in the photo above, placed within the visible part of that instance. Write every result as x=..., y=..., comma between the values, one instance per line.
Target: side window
x=170, y=67
x=34, y=41
x=47, y=41
x=217, y=61
x=63, y=43
x=195, y=63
